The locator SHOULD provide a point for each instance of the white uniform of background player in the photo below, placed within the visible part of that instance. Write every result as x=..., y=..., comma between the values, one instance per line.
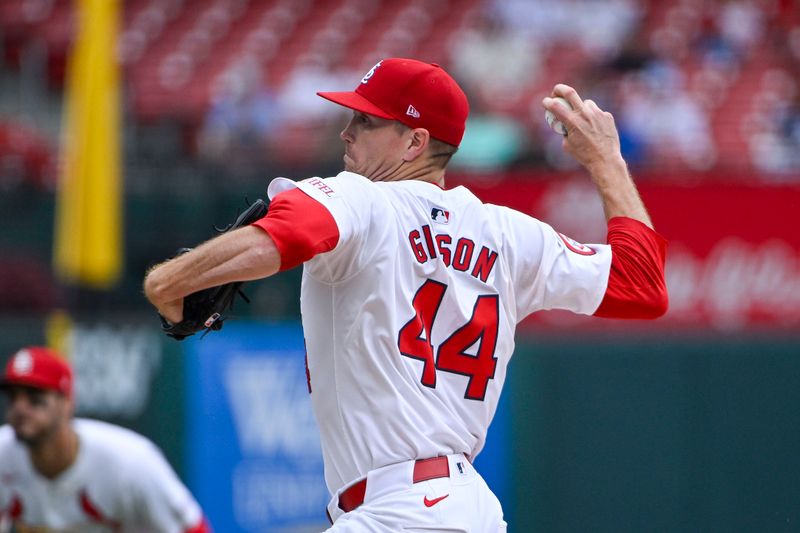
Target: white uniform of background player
x=118, y=481
x=411, y=295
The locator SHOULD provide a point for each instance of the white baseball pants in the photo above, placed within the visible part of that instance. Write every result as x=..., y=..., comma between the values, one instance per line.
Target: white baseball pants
x=460, y=503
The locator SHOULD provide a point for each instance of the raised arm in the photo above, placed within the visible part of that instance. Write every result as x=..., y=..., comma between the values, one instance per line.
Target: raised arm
x=593, y=141
x=636, y=283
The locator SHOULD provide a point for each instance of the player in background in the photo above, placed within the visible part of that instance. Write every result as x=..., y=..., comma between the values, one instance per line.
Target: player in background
x=411, y=293
x=58, y=473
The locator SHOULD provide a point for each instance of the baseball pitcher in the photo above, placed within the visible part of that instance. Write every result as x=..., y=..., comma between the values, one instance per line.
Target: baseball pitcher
x=411, y=293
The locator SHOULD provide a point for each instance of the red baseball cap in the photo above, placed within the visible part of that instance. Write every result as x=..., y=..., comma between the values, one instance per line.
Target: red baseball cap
x=418, y=94
x=38, y=367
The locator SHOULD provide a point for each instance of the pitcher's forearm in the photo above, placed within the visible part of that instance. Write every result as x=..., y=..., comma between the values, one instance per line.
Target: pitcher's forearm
x=618, y=191
x=242, y=255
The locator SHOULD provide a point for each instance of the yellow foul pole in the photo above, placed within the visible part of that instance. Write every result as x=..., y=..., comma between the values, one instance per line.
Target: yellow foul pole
x=88, y=233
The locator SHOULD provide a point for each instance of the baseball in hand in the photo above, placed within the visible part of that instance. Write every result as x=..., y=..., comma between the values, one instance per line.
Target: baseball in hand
x=551, y=119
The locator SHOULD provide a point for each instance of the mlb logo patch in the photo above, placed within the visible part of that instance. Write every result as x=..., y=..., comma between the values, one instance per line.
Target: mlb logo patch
x=440, y=215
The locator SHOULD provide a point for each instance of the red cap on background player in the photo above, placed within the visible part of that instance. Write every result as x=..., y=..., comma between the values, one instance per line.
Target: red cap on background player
x=38, y=367
x=420, y=95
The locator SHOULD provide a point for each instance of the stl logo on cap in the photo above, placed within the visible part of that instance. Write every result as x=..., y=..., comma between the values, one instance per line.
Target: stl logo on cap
x=23, y=362
x=369, y=74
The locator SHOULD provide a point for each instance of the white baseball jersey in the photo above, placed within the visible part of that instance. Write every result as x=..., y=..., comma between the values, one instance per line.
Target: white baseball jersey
x=409, y=321
x=119, y=481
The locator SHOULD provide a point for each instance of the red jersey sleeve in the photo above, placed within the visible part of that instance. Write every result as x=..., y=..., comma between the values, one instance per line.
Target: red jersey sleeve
x=300, y=227
x=201, y=527
x=636, y=286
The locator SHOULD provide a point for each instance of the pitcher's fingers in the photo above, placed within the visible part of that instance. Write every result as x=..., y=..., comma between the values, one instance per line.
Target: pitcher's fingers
x=560, y=111
x=591, y=105
x=569, y=94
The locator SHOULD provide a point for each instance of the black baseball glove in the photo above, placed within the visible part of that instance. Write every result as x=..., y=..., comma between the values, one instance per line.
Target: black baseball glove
x=207, y=309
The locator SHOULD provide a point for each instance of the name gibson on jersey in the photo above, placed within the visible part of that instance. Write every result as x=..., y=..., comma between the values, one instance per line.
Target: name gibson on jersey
x=460, y=256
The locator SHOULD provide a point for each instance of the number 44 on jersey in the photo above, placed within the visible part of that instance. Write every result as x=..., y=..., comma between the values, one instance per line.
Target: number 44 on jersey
x=451, y=355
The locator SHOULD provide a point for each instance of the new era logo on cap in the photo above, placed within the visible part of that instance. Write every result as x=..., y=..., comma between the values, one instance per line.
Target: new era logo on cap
x=412, y=112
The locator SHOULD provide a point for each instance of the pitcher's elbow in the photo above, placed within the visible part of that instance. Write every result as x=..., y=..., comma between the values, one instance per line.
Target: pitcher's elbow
x=659, y=303
x=155, y=287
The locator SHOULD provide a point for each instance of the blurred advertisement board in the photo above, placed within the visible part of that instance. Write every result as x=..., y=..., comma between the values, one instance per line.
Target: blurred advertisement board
x=733, y=260
x=253, y=452
x=114, y=369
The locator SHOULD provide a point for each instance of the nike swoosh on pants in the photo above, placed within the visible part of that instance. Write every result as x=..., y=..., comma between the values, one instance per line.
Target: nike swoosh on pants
x=431, y=503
